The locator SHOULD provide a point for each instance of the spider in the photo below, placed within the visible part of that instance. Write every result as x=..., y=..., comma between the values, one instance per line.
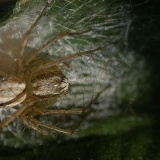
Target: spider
x=38, y=83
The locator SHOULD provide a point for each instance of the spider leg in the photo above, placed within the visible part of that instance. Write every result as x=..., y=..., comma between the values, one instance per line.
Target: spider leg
x=27, y=34
x=88, y=109
x=54, y=39
x=32, y=124
x=12, y=116
x=43, y=111
x=35, y=124
x=41, y=127
x=66, y=58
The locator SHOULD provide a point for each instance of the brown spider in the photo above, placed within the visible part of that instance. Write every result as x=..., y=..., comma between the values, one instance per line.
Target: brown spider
x=37, y=83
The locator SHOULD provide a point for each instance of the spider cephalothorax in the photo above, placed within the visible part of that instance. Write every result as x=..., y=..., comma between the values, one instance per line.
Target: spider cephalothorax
x=49, y=85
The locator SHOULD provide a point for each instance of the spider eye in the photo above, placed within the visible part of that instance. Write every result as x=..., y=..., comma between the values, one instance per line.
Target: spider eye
x=64, y=84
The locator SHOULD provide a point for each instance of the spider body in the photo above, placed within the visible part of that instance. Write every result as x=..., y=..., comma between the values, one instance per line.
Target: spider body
x=36, y=91
x=36, y=83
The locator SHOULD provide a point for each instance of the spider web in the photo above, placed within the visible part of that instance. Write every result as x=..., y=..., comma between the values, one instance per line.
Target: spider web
x=113, y=66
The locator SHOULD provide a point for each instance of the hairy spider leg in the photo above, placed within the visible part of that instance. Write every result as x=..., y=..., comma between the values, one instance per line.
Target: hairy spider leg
x=30, y=121
x=33, y=123
x=37, y=110
x=65, y=59
x=54, y=39
x=27, y=34
x=40, y=127
x=88, y=109
x=12, y=116
x=42, y=111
